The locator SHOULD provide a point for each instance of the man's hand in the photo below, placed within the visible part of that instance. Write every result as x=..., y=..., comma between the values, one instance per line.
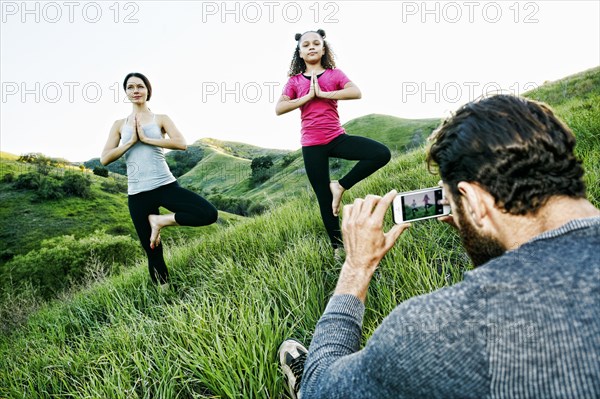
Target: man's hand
x=365, y=242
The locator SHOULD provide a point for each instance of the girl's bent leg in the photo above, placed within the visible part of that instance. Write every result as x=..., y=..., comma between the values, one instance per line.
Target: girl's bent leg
x=371, y=155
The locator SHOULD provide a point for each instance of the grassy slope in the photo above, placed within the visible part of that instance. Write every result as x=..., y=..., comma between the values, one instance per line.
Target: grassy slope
x=576, y=99
x=243, y=290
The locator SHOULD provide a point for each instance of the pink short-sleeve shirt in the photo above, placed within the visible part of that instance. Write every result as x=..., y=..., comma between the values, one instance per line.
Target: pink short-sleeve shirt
x=320, y=118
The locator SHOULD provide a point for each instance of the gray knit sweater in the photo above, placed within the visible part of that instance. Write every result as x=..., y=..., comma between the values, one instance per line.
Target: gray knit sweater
x=524, y=325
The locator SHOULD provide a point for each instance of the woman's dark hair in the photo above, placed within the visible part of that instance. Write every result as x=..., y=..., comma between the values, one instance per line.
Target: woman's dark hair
x=144, y=79
x=514, y=148
x=298, y=65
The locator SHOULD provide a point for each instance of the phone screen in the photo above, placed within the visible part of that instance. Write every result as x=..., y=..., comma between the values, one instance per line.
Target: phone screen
x=422, y=204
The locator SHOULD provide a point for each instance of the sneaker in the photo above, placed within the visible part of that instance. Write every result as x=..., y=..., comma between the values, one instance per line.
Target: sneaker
x=292, y=355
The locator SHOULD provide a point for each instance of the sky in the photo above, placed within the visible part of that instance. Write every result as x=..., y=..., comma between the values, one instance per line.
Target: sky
x=218, y=68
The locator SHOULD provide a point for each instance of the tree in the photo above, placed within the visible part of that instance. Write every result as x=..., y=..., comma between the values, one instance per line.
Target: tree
x=260, y=168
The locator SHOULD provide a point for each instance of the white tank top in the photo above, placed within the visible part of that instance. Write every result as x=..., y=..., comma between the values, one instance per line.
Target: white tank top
x=147, y=168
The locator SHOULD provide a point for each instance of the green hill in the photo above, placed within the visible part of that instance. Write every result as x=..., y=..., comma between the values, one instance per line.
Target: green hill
x=27, y=221
x=8, y=156
x=216, y=172
x=576, y=88
x=398, y=134
x=239, y=150
x=242, y=291
x=226, y=169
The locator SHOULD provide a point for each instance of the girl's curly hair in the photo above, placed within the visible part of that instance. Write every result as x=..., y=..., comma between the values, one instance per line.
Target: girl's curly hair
x=515, y=148
x=299, y=66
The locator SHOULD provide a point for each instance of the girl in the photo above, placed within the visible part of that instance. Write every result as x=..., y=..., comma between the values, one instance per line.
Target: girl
x=141, y=138
x=315, y=86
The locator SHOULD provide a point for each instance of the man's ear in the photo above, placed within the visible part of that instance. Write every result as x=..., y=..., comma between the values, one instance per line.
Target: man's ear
x=476, y=202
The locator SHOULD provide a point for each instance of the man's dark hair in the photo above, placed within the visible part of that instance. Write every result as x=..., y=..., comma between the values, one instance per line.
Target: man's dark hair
x=144, y=79
x=514, y=148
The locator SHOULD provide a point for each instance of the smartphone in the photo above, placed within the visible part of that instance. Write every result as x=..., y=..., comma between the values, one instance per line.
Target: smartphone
x=419, y=205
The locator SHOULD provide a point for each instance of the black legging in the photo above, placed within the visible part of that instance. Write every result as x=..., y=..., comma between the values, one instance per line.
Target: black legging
x=190, y=210
x=371, y=155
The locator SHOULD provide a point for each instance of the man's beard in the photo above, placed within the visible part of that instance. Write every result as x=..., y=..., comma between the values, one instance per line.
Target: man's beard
x=481, y=248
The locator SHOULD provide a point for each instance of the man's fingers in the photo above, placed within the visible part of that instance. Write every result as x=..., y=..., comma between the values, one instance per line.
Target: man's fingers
x=383, y=204
x=357, y=207
x=347, y=211
x=372, y=207
x=392, y=236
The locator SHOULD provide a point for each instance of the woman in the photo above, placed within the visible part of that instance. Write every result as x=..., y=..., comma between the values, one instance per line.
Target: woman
x=141, y=137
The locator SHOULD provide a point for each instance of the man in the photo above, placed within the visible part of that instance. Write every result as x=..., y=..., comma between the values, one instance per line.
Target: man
x=523, y=323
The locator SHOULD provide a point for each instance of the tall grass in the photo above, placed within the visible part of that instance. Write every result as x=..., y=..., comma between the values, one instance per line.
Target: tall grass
x=241, y=291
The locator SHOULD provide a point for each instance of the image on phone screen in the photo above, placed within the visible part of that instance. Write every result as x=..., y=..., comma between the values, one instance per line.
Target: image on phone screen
x=422, y=205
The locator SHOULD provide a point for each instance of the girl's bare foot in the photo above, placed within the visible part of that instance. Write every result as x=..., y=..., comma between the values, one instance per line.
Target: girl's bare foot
x=337, y=191
x=155, y=235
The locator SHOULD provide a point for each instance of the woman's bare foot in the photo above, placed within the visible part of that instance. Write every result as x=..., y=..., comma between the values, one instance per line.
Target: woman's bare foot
x=155, y=235
x=337, y=191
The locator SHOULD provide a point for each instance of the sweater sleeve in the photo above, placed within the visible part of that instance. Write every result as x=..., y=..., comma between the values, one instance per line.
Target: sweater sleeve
x=337, y=335
x=429, y=345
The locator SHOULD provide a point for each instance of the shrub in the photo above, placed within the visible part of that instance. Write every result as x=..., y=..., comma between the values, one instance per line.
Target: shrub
x=28, y=181
x=114, y=186
x=76, y=184
x=101, y=171
x=49, y=189
x=8, y=177
x=287, y=159
x=117, y=166
x=236, y=205
x=257, y=208
x=63, y=262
